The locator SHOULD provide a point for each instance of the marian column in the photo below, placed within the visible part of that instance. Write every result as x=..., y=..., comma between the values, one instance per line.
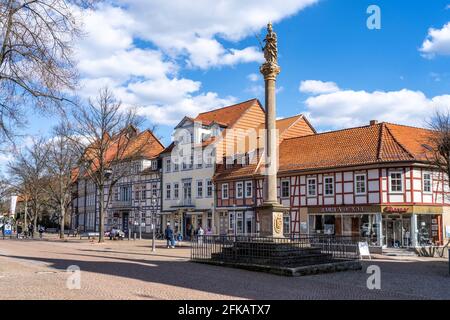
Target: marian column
x=271, y=211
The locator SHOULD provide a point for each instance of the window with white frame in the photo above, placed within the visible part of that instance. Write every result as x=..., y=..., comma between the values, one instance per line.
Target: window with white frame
x=225, y=191
x=329, y=186
x=231, y=220
x=427, y=182
x=285, y=186
x=199, y=188
x=199, y=164
x=248, y=189
x=239, y=190
x=176, y=192
x=168, y=165
x=143, y=193
x=154, y=164
x=396, y=181
x=154, y=190
x=360, y=183
x=209, y=188
x=312, y=187
x=209, y=159
x=168, y=190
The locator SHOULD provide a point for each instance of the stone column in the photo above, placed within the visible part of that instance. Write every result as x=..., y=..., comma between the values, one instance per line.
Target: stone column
x=271, y=211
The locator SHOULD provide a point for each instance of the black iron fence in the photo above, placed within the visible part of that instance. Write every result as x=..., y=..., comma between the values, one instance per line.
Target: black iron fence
x=292, y=249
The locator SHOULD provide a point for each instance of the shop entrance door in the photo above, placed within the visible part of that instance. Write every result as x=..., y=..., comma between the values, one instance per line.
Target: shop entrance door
x=397, y=232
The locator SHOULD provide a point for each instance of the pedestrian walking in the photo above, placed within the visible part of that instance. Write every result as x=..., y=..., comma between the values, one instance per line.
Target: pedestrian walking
x=30, y=231
x=169, y=236
x=41, y=231
x=200, y=233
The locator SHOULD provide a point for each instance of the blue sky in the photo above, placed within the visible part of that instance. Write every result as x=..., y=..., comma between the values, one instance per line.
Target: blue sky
x=188, y=60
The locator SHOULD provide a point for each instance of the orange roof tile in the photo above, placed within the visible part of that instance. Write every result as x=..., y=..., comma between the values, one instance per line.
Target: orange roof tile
x=378, y=143
x=225, y=116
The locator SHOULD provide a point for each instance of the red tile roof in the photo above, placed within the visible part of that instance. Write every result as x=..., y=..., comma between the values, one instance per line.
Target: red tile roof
x=378, y=143
x=226, y=116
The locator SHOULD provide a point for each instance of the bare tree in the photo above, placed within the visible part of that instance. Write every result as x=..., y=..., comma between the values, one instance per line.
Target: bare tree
x=103, y=132
x=36, y=57
x=28, y=174
x=61, y=159
x=438, y=144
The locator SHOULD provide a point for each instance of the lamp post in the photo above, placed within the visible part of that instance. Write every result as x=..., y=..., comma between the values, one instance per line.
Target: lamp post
x=140, y=220
x=154, y=203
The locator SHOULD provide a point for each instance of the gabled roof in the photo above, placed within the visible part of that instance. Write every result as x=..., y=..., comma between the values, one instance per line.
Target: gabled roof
x=127, y=144
x=378, y=143
x=226, y=116
x=373, y=144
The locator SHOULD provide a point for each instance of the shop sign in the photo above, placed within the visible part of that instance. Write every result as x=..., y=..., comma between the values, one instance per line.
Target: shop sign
x=396, y=209
x=344, y=209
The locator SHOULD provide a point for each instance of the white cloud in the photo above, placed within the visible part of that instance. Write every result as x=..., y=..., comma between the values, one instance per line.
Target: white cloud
x=437, y=42
x=182, y=27
x=253, y=77
x=348, y=108
x=317, y=87
x=138, y=47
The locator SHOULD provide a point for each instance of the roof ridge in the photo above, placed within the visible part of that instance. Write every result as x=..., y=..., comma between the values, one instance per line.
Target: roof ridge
x=225, y=107
x=297, y=115
x=334, y=131
x=380, y=141
x=405, y=125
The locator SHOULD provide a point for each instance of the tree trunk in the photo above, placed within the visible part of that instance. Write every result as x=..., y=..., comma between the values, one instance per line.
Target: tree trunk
x=35, y=223
x=25, y=224
x=101, y=222
x=61, y=221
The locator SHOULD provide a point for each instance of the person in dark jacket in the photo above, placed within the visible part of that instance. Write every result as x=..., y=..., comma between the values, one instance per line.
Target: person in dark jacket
x=30, y=230
x=169, y=236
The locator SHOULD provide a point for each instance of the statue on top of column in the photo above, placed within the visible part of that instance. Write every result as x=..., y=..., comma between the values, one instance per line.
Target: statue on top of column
x=270, y=49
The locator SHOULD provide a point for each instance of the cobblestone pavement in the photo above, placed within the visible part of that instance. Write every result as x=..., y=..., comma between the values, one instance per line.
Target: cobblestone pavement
x=36, y=269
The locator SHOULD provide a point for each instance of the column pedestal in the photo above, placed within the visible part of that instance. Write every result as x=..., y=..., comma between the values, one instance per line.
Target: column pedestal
x=270, y=216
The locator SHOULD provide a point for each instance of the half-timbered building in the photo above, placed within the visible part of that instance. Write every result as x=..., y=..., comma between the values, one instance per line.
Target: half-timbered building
x=373, y=181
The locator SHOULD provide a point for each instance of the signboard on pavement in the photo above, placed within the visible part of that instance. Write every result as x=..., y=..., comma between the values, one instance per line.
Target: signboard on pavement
x=363, y=247
x=8, y=229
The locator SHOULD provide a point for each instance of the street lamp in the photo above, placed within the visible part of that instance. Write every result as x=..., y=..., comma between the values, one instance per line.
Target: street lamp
x=154, y=203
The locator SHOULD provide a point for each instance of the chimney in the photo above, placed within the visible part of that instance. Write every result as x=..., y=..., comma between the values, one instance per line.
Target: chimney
x=373, y=122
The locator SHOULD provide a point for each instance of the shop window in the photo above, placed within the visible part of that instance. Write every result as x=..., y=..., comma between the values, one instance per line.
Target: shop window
x=427, y=182
x=285, y=192
x=396, y=182
x=360, y=184
x=329, y=186
x=231, y=221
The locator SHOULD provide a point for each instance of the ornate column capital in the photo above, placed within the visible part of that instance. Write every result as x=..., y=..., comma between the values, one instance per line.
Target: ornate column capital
x=270, y=70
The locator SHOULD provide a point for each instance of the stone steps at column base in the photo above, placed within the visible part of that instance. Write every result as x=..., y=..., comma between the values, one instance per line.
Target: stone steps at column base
x=291, y=261
x=335, y=266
